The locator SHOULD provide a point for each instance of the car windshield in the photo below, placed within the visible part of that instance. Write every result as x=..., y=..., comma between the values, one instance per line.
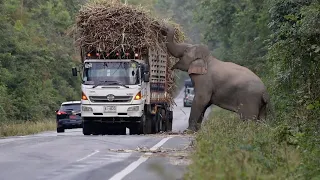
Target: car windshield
x=190, y=91
x=70, y=107
x=126, y=73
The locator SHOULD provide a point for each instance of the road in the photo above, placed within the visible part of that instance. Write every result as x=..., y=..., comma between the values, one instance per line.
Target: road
x=72, y=156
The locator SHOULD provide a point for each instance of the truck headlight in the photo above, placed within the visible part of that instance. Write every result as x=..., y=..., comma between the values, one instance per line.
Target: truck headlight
x=133, y=108
x=85, y=108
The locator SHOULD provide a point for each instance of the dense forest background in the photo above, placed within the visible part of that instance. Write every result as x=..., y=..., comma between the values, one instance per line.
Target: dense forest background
x=36, y=57
x=277, y=39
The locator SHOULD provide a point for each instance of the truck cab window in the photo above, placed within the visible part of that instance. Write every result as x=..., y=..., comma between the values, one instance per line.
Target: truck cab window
x=112, y=71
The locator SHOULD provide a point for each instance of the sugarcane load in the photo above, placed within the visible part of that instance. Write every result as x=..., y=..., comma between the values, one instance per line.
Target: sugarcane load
x=127, y=81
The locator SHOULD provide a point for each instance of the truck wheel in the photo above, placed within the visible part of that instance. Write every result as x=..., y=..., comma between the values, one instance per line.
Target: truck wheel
x=96, y=128
x=122, y=130
x=117, y=130
x=134, y=130
x=156, y=123
x=164, y=125
x=145, y=125
x=86, y=128
x=60, y=130
x=167, y=122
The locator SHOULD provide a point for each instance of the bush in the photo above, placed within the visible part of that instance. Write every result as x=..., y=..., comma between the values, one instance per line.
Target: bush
x=227, y=148
x=14, y=128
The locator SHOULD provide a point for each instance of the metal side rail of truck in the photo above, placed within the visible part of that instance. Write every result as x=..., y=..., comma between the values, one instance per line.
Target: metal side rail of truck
x=124, y=90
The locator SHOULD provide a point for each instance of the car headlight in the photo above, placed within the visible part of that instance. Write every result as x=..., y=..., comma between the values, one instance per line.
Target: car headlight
x=85, y=108
x=133, y=108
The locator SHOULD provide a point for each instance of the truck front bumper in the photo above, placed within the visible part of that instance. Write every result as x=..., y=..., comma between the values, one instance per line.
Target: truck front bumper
x=93, y=110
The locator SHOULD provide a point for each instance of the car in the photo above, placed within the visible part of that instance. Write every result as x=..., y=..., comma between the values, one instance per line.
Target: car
x=189, y=95
x=69, y=116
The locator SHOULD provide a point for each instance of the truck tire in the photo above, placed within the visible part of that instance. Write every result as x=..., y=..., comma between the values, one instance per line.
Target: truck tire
x=134, y=130
x=169, y=119
x=168, y=125
x=163, y=120
x=122, y=130
x=156, y=123
x=144, y=125
x=117, y=130
x=86, y=128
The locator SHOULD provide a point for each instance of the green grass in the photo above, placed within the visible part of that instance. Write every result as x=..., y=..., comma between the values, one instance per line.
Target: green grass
x=227, y=148
x=26, y=128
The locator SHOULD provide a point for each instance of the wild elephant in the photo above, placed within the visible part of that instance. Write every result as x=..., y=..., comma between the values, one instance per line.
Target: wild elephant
x=224, y=84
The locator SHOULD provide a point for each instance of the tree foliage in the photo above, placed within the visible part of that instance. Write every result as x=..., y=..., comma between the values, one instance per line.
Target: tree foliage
x=35, y=57
x=182, y=13
x=280, y=41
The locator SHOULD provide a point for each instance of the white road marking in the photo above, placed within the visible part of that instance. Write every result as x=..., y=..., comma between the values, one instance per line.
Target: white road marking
x=159, y=144
x=95, y=152
x=120, y=175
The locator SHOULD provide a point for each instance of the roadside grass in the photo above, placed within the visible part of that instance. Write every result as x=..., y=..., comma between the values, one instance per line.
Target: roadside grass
x=227, y=148
x=26, y=127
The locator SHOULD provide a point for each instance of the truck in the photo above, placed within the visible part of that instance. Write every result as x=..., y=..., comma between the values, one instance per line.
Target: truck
x=124, y=90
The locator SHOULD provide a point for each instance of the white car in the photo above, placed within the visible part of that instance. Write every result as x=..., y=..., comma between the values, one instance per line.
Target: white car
x=189, y=95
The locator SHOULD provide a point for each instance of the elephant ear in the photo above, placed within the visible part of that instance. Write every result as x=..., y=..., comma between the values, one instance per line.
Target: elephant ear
x=199, y=65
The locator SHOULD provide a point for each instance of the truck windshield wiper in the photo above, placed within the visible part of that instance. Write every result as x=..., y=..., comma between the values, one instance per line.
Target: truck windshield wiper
x=99, y=84
x=110, y=83
x=118, y=83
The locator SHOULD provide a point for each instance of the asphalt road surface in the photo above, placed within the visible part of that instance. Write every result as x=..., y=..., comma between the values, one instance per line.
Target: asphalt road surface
x=73, y=156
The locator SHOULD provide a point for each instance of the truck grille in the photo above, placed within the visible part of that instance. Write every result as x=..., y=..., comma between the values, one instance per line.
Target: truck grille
x=103, y=99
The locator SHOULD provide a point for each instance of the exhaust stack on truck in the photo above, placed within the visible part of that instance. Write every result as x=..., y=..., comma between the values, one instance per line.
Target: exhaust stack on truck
x=126, y=77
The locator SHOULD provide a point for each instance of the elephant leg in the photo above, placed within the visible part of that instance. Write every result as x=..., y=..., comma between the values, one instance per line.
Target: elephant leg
x=249, y=111
x=199, y=122
x=198, y=108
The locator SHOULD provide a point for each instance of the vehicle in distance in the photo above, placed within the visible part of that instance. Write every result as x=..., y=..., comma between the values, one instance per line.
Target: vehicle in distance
x=188, y=83
x=188, y=98
x=69, y=116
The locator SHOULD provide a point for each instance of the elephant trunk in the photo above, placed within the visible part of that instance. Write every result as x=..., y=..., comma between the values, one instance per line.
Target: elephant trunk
x=174, y=49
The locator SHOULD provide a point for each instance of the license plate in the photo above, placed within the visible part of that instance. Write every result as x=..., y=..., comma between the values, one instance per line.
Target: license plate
x=110, y=109
x=72, y=117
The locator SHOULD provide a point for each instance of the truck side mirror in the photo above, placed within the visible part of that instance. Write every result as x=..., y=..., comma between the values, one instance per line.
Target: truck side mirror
x=145, y=72
x=146, y=68
x=146, y=77
x=74, y=71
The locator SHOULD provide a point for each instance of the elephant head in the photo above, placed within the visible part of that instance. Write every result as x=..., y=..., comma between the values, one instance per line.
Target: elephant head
x=192, y=58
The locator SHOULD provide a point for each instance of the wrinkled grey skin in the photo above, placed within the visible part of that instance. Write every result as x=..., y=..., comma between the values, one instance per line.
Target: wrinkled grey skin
x=225, y=84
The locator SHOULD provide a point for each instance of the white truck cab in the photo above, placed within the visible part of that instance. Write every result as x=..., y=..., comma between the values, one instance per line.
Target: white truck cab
x=116, y=94
x=112, y=88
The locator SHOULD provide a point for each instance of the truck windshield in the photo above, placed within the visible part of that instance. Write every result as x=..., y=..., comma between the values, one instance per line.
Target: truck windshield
x=122, y=72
